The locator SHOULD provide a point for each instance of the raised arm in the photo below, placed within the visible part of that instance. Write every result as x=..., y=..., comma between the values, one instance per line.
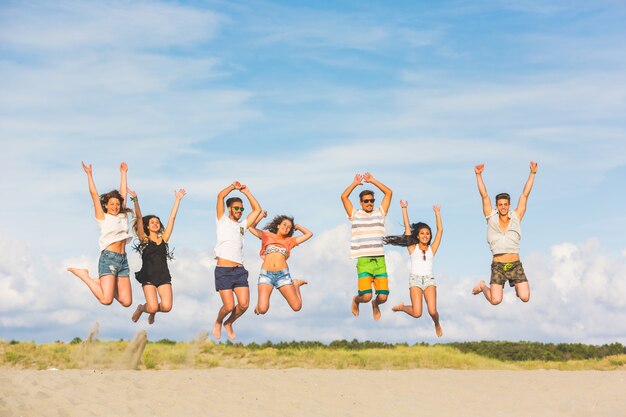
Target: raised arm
x=178, y=195
x=407, y=224
x=99, y=212
x=367, y=177
x=221, y=205
x=521, y=204
x=345, y=196
x=252, y=227
x=123, y=182
x=256, y=207
x=306, y=234
x=437, y=240
x=487, y=208
x=141, y=234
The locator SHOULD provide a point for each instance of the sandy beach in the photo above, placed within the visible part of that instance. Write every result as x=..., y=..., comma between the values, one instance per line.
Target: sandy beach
x=306, y=392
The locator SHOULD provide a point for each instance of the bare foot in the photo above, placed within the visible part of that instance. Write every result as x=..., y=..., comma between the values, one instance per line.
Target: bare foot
x=80, y=273
x=299, y=282
x=151, y=318
x=355, y=307
x=438, y=330
x=376, y=310
x=137, y=313
x=217, y=330
x=478, y=288
x=229, y=330
x=398, y=307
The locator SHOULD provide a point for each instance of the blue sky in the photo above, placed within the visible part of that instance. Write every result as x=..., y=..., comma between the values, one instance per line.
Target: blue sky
x=294, y=99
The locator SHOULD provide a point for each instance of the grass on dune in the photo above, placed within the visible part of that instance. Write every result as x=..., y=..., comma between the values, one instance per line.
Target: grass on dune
x=313, y=355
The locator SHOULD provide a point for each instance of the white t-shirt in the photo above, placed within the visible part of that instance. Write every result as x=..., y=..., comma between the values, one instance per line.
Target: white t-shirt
x=230, y=239
x=113, y=229
x=419, y=265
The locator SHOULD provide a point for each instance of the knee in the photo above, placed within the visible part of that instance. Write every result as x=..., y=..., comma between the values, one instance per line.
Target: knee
x=151, y=308
x=297, y=307
x=165, y=307
x=495, y=301
x=366, y=297
x=107, y=301
x=416, y=314
x=381, y=298
x=126, y=303
x=243, y=305
x=229, y=306
x=262, y=310
x=525, y=298
x=433, y=313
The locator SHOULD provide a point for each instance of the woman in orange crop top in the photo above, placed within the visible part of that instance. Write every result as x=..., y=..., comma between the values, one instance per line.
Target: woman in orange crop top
x=111, y=216
x=276, y=243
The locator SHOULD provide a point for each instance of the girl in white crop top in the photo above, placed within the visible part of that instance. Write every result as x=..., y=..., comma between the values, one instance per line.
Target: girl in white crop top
x=112, y=218
x=417, y=239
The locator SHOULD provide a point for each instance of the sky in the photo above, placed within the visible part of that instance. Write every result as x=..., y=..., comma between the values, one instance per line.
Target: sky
x=293, y=99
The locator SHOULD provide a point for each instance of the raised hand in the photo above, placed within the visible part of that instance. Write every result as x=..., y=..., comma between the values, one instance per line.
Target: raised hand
x=87, y=168
x=478, y=169
x=404, y=204
x=358, y=179
x=131, y=192
x=533, y=166
x=367, y=177
x=243, y=188
x=437, y=208
x=263, y=214
x=179, y=194
x=237, y=185
x=123, y=167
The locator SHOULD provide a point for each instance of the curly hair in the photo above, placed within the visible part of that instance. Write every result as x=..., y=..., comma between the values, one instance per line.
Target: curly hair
x=104, y=199
x=140, y=245
x=409, y=240
x=273, y=225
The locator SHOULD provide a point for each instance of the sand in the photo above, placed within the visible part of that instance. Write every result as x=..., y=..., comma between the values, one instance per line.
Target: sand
x=306, y=392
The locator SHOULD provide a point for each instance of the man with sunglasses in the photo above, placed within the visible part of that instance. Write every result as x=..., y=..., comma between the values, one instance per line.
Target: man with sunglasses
x=503, y=235
x=230, y=275
x=368, y=230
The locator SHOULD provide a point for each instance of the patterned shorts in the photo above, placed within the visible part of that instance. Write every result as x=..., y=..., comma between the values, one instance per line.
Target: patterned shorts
x=501, y=272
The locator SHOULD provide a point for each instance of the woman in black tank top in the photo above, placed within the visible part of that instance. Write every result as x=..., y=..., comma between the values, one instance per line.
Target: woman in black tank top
x=154, y=274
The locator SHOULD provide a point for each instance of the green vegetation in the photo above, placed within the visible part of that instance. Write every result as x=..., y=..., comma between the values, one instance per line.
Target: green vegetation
x=342, y=354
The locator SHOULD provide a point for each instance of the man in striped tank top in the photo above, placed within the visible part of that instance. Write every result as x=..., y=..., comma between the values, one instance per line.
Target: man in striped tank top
x=368, y=230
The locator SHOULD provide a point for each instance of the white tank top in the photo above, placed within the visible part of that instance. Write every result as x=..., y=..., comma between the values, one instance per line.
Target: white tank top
x=419, y=265
x=113, y=229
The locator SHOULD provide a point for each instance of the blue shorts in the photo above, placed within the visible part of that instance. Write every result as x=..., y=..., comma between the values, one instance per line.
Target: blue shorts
x=230, y=277
x=421, y=281
x=275, y=278
x=113, y=263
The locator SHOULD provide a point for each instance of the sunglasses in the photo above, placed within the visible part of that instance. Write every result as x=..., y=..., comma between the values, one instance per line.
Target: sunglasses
x=237, y=208
x=368, y=200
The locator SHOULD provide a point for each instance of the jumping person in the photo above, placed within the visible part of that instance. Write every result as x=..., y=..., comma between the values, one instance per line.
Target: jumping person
x=368, y=230
x=421, y=279
x=230, y=275
x=154, y=275
x=111, y=216
x=276, y=243
x=503, y=234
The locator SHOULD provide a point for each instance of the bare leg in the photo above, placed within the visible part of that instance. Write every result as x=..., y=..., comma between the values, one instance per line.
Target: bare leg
x=165, y=305
x=292, y=294
x=243, y=300
x=430, y=295
x=124, y=292
x=358, y=299
x=493, y=294
x=152, y=303
x=523, y=291
x=415, y=309
x=103, y=288
x=263, y=302
x=380, y=299
x=228, y=306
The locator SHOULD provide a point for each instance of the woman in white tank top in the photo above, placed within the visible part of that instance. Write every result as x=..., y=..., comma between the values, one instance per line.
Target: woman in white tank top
x=112, y=218
x=417, y=239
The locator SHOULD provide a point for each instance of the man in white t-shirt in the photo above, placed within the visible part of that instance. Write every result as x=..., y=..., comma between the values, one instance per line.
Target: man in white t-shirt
x=231, y=278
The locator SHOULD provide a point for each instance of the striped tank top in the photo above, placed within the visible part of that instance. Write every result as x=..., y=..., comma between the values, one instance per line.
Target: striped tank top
x=368, y=230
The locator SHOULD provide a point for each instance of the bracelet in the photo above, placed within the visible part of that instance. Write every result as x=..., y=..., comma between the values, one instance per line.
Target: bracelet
x=533, y=172
x=134, y=199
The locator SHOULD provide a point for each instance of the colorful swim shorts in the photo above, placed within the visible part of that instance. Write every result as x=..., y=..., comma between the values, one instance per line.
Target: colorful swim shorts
x=372, y=270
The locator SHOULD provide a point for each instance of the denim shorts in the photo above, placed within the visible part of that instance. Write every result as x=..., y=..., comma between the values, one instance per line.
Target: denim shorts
x=421, y=281
x=113, y=263
x=275, y=278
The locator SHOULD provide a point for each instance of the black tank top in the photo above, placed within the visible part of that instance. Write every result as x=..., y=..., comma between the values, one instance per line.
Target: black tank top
x=154, y=268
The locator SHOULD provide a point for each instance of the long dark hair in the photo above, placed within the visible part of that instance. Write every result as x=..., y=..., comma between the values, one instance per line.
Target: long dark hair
x=408, y=240
x=273, y=225
x=104, y=199
x=140, y=245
